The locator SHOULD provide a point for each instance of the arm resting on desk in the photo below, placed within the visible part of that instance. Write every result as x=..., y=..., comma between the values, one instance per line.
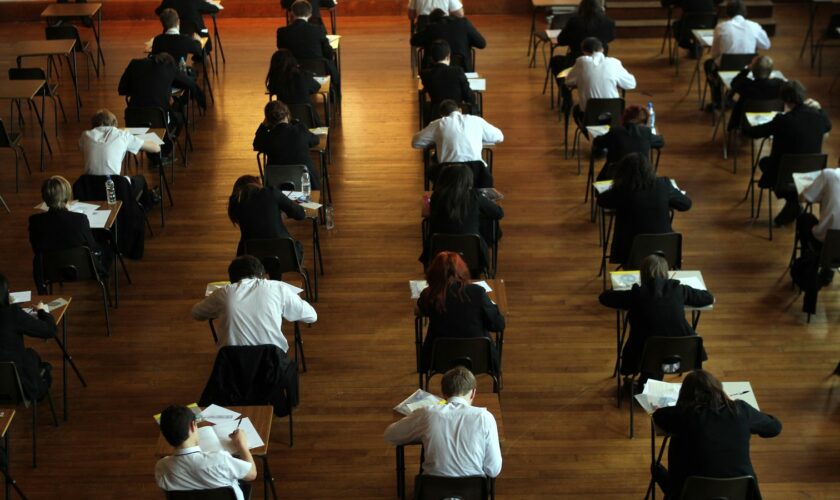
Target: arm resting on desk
x=615, y=299
x=697, y=298
x=41, y=327
x=763, y=424
x=211, y=307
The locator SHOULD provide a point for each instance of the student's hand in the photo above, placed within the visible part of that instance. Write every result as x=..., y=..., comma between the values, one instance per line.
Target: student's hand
x=813, y=103
x=40, y=306
x=239, y=439
x=754, y=63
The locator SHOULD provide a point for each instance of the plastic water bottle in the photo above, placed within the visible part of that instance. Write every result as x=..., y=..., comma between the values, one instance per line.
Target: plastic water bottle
x=182, y=66
x=305, y=186
x=330, y=216
x=110, y=191
x=651, y=117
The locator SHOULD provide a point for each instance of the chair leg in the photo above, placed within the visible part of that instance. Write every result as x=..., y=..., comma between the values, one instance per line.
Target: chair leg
x=122, y=264
x=105, y=300
x=3, y=202
x=770, y=215
x=34, y=434
x=61, y=105
x=52, y=408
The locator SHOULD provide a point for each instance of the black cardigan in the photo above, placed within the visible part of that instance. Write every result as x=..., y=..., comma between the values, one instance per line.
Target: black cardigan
x=14, y=324
x=259, y=216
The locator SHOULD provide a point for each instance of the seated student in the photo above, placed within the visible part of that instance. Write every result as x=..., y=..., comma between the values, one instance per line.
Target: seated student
x=61, y=229
x=286, y=142
x=191, y=12
x=458, y=439
x=710, y=433
x=687, y=41
x=736, y=35
x=257, y=211
x=457, y=208
x=590, y=20
x=190, y=468
x=458, y=32
x=317, y=5
x=173, y=42
x=759, y=87
x=632, y=136
x=35, y=375
x=420, y=10
x=455, y=307
x=597, y=76
x=656, y=309
x=459, y=138
x=287, y=81
x=642, y=203
x=308, y=41
x=799, y=130
x=251, y=308
x=443, y=81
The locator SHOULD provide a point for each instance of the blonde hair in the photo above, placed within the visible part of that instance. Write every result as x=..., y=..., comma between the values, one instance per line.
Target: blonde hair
x=56, y=192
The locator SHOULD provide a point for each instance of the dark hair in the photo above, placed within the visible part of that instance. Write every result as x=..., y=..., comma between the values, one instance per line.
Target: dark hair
x=282, y=71
x=245, y=266
x=169, y=19
x=458, y=381
x=590, y=45
x=446, y=269
x=244, y=187
x=175, y=423
x=634, y=114
x=276, y=112
x=103, y=118
x=4, y=291
x=653, y=266
x=447, y=107
x=591, y=12
x=763, y=68
x=437, y=16
x=736, y=8
x=703, y=391
x=793, y=93
x=301, y=8
x=439, y=50
x=634, y=173
x=164, y=58
x=453, y=191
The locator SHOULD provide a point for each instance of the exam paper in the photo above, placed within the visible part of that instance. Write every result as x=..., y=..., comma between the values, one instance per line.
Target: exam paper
x=478, y=84
x=419, y=399
x=224, y=429
x=137, y=130
x=693, y=282
x=471, y=75
x=98, y=218
x=658, y=395
x=218, y=414
x=18, y=297
x=151, y=137
x=417, y=286
x=484, y=285
x=310, y=205
x=320, y=130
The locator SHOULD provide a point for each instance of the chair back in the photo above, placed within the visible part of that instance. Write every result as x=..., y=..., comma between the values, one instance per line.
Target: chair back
x=672, y=355
x=603, y=112
x=467, y=245
x=72, y=264
x=830, y=254
x=797, y=164
x=461, y=488
x=11, y=388
x=763, y=105
x=645, y=244
x=64, y=32
x=716, y=488
x=305, y=113
x=27, y=74
x=189, y=28
x=278, y=255
x=695, y=21
x=5, y=140
x=474, y=354
x=735, y=62
x=284, y=176
x=223, y=493
x=145, y=116
x=318, y=66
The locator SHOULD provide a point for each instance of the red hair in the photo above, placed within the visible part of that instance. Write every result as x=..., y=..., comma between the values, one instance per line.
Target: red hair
x=634, y=114
x=447, y=268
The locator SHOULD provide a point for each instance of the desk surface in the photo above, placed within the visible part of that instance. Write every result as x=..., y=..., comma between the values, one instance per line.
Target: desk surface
x=29, y=48
x=20, y=89
x=482, y=400
x=498, y=295
x=325, y=83
x=704, y=37
x=71, y=10
x=6, y=417
x=260, y=416
x=57, y=313
x=554, y=3
x=335, y=41
x=323, y=134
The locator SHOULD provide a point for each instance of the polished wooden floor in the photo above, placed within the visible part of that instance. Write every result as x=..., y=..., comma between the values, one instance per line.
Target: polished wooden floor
x=564, y=436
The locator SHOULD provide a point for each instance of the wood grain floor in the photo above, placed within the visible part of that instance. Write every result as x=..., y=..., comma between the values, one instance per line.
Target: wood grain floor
x=564, y=436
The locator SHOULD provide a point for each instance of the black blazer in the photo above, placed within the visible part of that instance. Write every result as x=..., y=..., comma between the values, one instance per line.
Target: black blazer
x=301, y=85
x=657, y=311
x=59, y=230
x=14, y=324
x=316, y=8
x=149, y=84
x=576, y=30
x=189, y=11
x=621, y=141
x=799, y=131
x=446, y=82
x=479, y=220
x=177, y=46
x=641, y=212
x=288, y=144
x=749, y=89
x=474, y=316
x=712, y=444
x=693, y=5
x=130, y=220
x=305, y=40
x=259, y=216
x=458, y=32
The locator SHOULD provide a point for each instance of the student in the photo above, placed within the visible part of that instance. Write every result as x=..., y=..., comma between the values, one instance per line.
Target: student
x=317, y=5
x=632, y=136
x=459, y=440
x=656, y=309
x=710, y=433
x=597, y=76
x=689, y=7
x=760, y=87
x=590, y=20
x=309, y=41
x=420, y=10
x=443, y=81
x=287, y=81
x=455, y=307
x=642, y=204
x=284, y=141
x=174, y=43
x=190, y=468
x=191, y=12
x=148, y=82
x=458, y=32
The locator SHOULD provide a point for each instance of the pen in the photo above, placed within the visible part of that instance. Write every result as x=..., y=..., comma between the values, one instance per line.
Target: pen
x=238, y=424
x=740, y=393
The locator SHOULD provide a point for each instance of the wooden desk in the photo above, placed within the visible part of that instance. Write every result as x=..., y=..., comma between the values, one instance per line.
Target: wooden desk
x=26, y=89
x=323, y=150
x=726, y=78
x=543, y=6
x=261, y=417
x=85, y=10
x=6, y=417
x=703, y=38
x=48, y=48
x=324, y=92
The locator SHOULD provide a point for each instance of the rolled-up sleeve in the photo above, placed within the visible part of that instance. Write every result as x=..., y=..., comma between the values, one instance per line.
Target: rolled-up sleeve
x=492, y=452
x=295, y=308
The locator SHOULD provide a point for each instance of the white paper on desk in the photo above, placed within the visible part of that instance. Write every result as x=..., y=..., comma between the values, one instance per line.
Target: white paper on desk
x=624, y=280
x=83, y=208
x=151, y=137
x=693, y=282
x=18, y=297
x=137, y=130
x=225, y=429
x=417, y=286
x=218, y=414
x=293, y=195
x=602, y=186
x=484, y=285
x=478, y=84
x=598, y=130
x=708, y=39
x=208, y=441
x=419, y=399
x=552, y=34
x=293, y=288
x=57, y=303
x=658, y=395
x=320, y=130
x=98, y=218
x=471, y=75
x=310, y=205
x=804, y=179
x=756, y=119
x=218, y=5
x=321, y=79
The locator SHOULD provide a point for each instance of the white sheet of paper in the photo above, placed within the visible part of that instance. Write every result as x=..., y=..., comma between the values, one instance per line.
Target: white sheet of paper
x=321, y=79
x=320, y=130
x=693, y=282
x=212, y=287
x=151, y=137
x=59, y=302
x=602, y=186
x=803, y=180
x=18, y=297
x=98, y=218
x=484, y=285
x=623, y=280
x=293, y=288
x=74, y=206
x=218, y=414
x=756, y=119
x=708, y=39
x=208, y=441
x=418, y=399
x=137, y=130
x=310, y=205
x=224, y=429
x=598, y=130
x=552, y=34
x=417, y=286
x=478, y=84
x=471, y=75
x=293, y=195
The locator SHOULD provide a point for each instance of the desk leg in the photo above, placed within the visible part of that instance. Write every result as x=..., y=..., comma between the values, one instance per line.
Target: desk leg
x=268, y=479
x=401, y=472
x=97, y=33
x=75, y=75
x=217, y=45
x=64, y=362
x=533, y=29
x=809, y=35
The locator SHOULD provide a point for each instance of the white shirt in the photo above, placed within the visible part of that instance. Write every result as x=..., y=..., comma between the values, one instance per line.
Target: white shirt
x=738, y=36
x=458, y=137
x=459, y=439
x=600, y=77
x=104, y=148
x=252, y=311
x=826, y=191
x=193, y=469
x=173, y=31
x=425, y=7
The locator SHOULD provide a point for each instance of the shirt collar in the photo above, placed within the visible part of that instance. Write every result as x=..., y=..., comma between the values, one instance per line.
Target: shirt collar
x=597, y=57
x=459, y=400
x=172, y=31
x=738, y=19
x=187, y=451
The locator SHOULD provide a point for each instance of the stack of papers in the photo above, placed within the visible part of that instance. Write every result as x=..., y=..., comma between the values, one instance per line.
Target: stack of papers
x=18, y=297
x=98, y=218
x=420, y=399
x=658, y=395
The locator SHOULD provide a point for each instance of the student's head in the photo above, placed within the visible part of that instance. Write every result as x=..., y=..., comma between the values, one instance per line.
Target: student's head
x=653, y=267
x=439, y=51
x=169, y=19
x=634, y=114
x=793, y=93
x=590, y=9
x=447, y=107
x=437, y=16
x=164, y=59
x=591, y=45
x=176, y=424
x=634, y=173
x=446, y=269
x=244, y=187
x=302, y=9
x=453, y=190
x=458, y=382
x=277, y=112
x=244, y=267
x=736, y=8
x=762, y=67
x=4, y=291
x=703, y=391
x=281, y=69
x=103, y=118
x=56, y=192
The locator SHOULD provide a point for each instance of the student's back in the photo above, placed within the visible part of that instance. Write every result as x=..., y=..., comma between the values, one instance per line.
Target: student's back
x=305, y=40
x=459, y=33
x=443, y=82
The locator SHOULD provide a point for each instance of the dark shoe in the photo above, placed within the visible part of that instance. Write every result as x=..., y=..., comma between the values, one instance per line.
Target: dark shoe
x=825, y=277
x=788, y=214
